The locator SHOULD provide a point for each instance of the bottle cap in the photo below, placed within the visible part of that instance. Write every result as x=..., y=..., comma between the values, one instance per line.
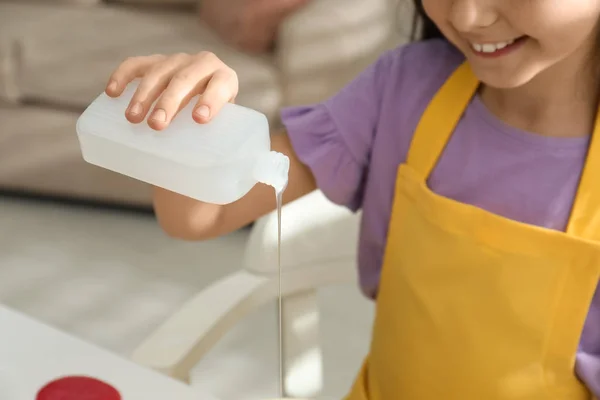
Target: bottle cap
x=78, y=388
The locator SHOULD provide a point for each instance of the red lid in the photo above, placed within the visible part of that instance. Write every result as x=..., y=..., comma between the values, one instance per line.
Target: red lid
x=78, y=388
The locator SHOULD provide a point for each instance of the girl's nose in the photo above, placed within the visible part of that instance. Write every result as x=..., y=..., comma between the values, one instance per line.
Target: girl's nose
x=471, y=15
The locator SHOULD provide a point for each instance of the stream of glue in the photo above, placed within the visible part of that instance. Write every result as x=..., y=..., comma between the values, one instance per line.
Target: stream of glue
x=274, y=171
x=279, y=199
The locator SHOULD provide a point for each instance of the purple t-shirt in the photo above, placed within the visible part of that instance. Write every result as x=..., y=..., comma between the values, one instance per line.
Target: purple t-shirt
x=354, y=142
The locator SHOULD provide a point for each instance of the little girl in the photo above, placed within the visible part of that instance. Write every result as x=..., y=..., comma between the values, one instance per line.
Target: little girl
x=475, y=157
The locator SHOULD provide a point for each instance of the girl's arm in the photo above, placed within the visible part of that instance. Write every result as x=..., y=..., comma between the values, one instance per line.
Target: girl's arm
x=188, y=219
x=169, y=82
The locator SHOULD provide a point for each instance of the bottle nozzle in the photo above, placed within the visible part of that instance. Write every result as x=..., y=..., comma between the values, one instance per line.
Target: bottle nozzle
x=272, y=169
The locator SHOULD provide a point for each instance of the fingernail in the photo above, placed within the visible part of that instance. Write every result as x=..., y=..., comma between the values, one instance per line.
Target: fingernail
x=159, y=115
x=136, y=109
x=112, y=86
x=202, y=111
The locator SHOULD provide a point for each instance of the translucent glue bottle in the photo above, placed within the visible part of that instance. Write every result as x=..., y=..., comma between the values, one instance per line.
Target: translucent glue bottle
x=218, y=162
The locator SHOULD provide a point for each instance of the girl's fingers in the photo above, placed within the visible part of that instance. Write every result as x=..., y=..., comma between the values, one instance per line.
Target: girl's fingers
x=129, y=69
x=186, y=83
x=152, y=85
x=171, y=82
x=222, y=88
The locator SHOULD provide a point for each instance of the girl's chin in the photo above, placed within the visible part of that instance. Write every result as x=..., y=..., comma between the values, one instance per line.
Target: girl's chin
x=503, y=79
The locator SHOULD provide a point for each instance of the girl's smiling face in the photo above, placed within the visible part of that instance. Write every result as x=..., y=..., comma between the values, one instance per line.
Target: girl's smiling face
x=509, y=42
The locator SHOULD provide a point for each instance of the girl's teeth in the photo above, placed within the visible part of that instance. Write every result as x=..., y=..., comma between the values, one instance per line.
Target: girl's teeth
x=490, y=47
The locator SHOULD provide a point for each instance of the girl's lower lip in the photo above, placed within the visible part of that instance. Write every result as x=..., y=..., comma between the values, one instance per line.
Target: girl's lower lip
x=502, y=52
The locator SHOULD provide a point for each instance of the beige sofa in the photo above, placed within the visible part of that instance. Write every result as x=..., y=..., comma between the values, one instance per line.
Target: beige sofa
x=55, y=58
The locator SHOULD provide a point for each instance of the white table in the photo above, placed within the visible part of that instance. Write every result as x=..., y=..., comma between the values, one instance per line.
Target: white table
x=33, y=354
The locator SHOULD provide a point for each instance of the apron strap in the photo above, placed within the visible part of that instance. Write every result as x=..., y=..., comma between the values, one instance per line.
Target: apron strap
x=585, y=216
x=440, y=119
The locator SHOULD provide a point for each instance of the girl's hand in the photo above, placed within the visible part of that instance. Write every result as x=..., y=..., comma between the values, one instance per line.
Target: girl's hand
x=174, y=80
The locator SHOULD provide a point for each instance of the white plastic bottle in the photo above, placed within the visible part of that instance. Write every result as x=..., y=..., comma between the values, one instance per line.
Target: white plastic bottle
x=218, y=162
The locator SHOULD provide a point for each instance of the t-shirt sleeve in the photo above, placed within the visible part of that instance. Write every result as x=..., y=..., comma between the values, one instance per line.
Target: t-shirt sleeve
x=334, y=138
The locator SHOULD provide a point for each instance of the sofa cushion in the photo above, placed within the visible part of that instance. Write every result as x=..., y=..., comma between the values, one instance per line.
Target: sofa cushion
x=342, y=37
x=71, y=2
x=69, y=52
x=39, y=152
x=10, y=65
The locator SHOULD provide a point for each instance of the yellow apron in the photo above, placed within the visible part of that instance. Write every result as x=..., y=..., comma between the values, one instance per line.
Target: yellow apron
x=472, y=305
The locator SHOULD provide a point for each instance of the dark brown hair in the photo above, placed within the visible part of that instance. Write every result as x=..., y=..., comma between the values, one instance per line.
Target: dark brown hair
x=423, y=28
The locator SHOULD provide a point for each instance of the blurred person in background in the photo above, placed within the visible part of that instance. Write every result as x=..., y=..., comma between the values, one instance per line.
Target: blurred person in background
x=248, y=25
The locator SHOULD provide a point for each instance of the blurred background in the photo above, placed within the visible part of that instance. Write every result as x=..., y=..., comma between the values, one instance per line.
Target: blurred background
x=79, y=246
